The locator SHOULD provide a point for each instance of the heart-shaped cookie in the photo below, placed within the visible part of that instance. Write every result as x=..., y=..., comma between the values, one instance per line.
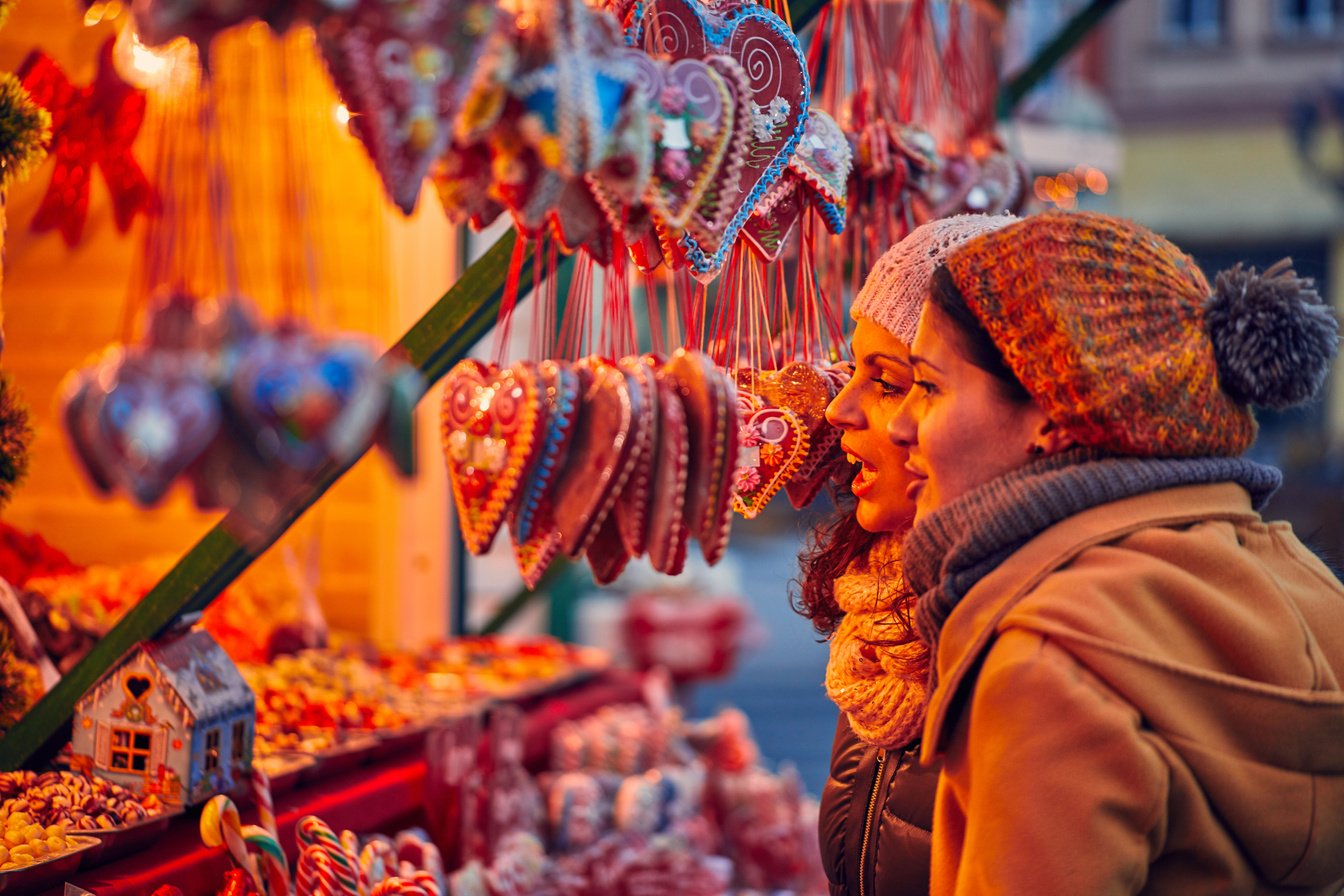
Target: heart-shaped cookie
x=822, y=161
x=768, y=230
x=711, y=420
x=154, y=418
x=304, y=400
x=600, y=457
x=402, y=70
x=772, y=443
x=824, y=455
x=631, y=513
x=607, y=554
x=667, y=531
x=767, y=51
x=560, y=401
x=490, y=440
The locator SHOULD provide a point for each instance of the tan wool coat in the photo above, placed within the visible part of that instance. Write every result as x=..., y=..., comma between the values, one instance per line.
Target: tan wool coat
x=1144, y=698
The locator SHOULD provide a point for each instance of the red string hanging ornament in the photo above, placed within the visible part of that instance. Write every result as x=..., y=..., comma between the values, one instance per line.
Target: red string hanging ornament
x=92, y=125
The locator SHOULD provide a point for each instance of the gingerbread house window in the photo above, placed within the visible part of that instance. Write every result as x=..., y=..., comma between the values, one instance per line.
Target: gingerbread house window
x=236, y=749
x=130, y=750
x=211, y=750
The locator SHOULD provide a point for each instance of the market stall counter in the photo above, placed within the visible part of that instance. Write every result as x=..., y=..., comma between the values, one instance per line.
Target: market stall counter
x=386, y=792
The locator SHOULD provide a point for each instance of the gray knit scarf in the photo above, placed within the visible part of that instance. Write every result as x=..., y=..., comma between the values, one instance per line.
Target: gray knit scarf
x=955, y=546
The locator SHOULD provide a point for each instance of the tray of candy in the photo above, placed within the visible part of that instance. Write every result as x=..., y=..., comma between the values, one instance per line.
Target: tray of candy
x=46, y=871
x=113, y=843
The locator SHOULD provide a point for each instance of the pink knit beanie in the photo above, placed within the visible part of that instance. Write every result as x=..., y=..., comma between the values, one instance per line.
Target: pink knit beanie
x=894, y=293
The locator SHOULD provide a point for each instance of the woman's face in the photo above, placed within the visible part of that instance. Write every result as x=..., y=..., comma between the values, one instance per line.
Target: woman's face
x=958, y=427
x=862, y=410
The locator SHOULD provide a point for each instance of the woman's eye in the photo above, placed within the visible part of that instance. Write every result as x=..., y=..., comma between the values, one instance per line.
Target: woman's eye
x=889, y=388
x=927, y=387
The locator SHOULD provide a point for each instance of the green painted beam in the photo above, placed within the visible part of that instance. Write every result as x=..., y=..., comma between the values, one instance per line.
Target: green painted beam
x=1079, y=26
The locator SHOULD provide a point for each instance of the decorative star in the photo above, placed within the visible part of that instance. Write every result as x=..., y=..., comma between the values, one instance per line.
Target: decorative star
x=92, y=125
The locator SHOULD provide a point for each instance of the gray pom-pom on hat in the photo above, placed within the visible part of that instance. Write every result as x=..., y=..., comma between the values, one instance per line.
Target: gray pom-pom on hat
x=1273, y=337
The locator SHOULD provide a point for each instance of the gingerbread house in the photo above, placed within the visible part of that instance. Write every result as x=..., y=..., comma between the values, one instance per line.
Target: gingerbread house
x=175, y=718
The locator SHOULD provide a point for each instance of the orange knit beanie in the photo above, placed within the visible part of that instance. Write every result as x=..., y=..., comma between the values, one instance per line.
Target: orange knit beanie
x=1116, y=334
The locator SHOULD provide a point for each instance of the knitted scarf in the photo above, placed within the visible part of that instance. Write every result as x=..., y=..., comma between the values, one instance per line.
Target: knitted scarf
x=884, y=704
x=954, y=547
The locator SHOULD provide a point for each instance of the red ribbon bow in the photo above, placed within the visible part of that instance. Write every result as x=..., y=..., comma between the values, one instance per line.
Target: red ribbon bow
x=90, y=125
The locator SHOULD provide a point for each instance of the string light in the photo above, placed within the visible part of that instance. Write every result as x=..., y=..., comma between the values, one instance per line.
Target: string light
x=342, y=114
x=1063, y=189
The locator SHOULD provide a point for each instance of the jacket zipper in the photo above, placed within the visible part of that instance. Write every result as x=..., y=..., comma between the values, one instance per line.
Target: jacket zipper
x=868, y=819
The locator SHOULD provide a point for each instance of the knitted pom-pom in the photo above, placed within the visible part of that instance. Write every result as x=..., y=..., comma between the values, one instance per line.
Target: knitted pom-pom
x=1273, y=337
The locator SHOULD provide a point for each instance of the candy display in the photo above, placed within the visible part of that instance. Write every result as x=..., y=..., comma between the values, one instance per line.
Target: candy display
x=74, y=801
x=27, y=842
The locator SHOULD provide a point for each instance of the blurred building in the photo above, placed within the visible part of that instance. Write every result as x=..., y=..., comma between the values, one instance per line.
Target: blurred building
x=1219, y=123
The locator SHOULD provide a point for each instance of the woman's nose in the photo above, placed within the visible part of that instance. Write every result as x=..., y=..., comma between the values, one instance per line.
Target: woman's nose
x=843, y=411
x=902, y=426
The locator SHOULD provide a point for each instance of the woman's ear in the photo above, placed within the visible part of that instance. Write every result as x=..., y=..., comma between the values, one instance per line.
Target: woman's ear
x=1051, y=439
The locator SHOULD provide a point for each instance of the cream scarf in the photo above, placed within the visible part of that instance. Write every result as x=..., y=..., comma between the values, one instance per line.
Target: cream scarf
x=884, y=708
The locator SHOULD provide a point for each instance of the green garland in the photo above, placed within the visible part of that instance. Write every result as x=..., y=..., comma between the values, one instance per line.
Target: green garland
x=25, y=129
x=16, y=435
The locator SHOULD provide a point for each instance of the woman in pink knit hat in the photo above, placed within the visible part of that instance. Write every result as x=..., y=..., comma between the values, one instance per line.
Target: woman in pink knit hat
x=878, y=803
x=1136, y=679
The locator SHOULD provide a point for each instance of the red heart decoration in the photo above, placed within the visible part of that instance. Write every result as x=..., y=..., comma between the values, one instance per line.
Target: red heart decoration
x=489, y=427
x=600, y=457
x=768, y=230
x=711, y=419
x=631, y=513
x=772, y=443
x=667, y=532
x=607, y=553
x=824, y=456
x=402, y=70
x=775, y=105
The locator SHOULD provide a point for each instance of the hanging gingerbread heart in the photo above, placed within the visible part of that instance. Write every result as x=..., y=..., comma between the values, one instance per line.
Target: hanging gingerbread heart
x=607, y=554
x=767, y=50
x=461, y=176
x=822, y=161
x=772, y=443
x=710, y=403
x=600, y=458
x=79, y=420
x=154, y=418
x=489, y=426
x=560, y=401
x=631, y=513
x=304, y=400
x=768, y=230
x=402, y=69
x=824, y=455
x=667, y=530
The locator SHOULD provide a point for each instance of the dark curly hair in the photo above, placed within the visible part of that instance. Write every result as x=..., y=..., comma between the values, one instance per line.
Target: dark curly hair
x=832, y=548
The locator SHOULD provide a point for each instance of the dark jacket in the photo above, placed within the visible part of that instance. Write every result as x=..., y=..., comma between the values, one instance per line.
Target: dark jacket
x=895, y=809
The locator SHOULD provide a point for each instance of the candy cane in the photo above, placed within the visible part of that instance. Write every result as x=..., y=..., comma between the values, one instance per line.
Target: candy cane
x=261, y=795
x=272, y=858
x=398, y=886
x=376, y=861
x=428, y=882
x=221, y=826
x=314, y=831
x=350, y=846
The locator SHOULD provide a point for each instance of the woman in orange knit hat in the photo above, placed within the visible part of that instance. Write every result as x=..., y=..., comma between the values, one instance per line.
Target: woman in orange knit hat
x=1137, y=680
x=877, y=804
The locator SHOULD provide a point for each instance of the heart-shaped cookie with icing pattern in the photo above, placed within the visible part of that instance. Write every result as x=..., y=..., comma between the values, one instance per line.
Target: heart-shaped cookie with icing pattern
x=489, y=427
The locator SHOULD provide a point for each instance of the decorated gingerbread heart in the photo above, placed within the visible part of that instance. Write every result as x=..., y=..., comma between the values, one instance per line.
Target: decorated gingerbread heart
x=607, y=554
x=768, y=230
x=600, y=458
x=822, y=161
x=489, y=426
x=711, y=418
x=151, y=419
x=560, y=401
x=772, y=443
x=304, y=400
x=824, y=455
x=402, y=70
x=667, y=530
x=631, y=513
x=767, y=51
